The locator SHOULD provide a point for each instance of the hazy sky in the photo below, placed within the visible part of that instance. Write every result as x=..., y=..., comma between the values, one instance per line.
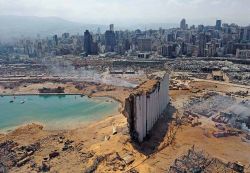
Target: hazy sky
x=134, y=11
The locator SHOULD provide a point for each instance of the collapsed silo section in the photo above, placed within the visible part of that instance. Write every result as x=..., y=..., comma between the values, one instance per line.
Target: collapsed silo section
x=145, y=105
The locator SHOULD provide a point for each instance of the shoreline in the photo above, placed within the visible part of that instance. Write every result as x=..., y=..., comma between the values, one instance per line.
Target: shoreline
x=75, y=125
x=71, y=94
x=64, y=94
x=89, y=91
x=47, y=128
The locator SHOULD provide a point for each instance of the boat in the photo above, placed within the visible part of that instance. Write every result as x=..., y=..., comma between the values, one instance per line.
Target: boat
x=22, y=102
x=11, y=101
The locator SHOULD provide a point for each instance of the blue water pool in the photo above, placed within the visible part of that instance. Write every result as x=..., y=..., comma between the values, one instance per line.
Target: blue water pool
x=54, y=111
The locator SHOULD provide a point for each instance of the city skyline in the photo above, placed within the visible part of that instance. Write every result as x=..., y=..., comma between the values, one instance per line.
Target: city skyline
x=132, y=12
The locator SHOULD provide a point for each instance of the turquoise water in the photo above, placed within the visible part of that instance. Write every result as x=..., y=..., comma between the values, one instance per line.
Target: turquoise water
x=53, y=111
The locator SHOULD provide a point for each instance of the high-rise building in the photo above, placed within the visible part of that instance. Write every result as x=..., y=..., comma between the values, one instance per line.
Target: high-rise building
x=218, y=25
x=88, y=41
x=126, y=45
x=94, y=48
x=211, y=48
x=183, y=24
x=243, y=54
x=200, y=28
x=55, y=40
x=245, y=33
x=65, y=35
x=144, y=44
x=166, y=50
x=170, y=37
x=170, y=50
x=202, y=44
x=110, y=39
x=111, y=27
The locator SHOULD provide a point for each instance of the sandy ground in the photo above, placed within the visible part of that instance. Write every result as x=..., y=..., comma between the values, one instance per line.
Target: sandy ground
x=117, y=93
x=33, y=88
x=152, y=156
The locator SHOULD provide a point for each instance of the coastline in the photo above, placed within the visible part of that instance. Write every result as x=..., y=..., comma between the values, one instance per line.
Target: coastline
x=90, y=90
x=74, y=124
x=118, y=94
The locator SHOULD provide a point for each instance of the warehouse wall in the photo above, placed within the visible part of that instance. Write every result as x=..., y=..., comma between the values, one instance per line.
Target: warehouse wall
x=143, y=108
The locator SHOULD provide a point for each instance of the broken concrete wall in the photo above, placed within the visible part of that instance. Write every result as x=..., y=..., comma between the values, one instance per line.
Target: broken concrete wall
x=144, y=106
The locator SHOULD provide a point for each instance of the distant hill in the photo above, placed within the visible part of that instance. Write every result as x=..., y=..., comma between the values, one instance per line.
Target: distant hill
x=26, y=26
x=15, y=27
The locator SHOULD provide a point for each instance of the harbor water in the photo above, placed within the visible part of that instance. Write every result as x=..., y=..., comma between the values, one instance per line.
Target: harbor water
x=53, y=111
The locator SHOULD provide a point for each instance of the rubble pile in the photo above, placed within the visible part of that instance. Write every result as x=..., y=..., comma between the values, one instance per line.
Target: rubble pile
x=208, y=105
x=178, y=85
x=51, y=90
x=113, y=161
x=237, y=116
x=226, y=133
x=238, y=93
x=237, y=73
x=7, y=156
x=97, y=160
x=13, y=155
x=68, y=145
x=222, y=110
x=198, y=161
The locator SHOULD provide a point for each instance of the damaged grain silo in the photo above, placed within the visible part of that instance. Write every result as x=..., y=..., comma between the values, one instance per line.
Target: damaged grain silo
x=145, y=105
